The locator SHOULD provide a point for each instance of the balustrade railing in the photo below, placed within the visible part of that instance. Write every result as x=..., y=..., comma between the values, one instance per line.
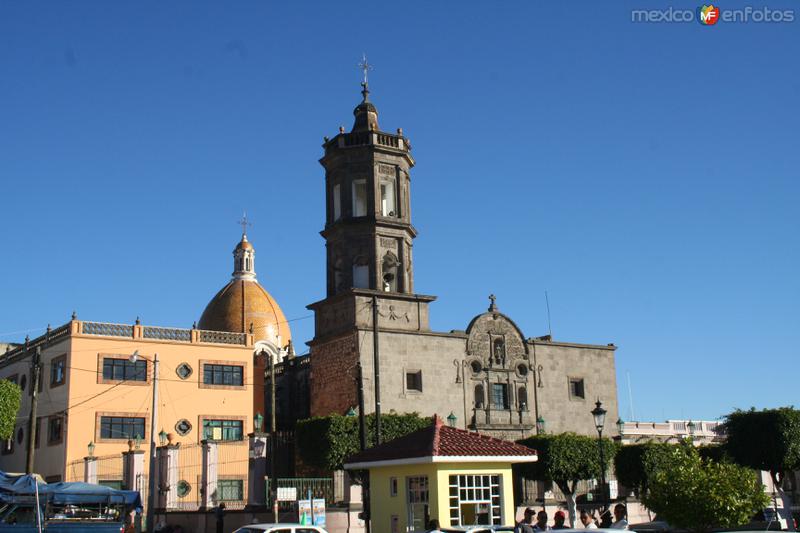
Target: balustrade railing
x=106, y=329
x=168, y=334
x=223, y=337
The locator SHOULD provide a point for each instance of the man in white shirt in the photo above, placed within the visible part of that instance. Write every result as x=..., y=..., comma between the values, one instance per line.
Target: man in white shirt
x=619, y=517
x=587, y=520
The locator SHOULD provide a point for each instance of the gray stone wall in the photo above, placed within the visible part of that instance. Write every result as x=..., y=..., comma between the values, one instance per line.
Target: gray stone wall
x=448, y=381
x=560, y=362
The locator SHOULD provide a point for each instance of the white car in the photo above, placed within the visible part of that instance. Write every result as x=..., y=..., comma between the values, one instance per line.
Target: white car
x=280, y=528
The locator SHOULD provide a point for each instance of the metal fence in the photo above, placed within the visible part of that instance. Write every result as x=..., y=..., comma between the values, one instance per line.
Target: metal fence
x=316, y=487
x=109, y=470
x=232, y=472
x=190, y=477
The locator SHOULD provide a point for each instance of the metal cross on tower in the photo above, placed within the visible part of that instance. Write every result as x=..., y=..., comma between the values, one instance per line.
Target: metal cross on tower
x=365, y=68
x=244, y=223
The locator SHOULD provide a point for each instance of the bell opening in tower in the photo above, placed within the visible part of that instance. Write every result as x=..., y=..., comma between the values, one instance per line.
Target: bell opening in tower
x=359, y=198
x=388, y=203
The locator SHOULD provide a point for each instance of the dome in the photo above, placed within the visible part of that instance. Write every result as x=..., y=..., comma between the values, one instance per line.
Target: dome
x=244, y=244
x=243, y=301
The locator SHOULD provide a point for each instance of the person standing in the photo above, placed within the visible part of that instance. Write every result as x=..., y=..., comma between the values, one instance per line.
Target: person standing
x=620, y=522
x=220, y=515
x=558, y=520
x=541, y=522
x=526, y=524
x=587, y=520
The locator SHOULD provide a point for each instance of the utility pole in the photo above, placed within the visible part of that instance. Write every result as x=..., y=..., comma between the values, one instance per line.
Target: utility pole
x=362, y=426
x=151, y=486
x=273, y=439
x=376, y=361
x=36, y=367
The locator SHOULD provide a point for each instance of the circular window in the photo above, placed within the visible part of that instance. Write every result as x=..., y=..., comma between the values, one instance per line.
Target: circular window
x=184, y=370
x=22, y=382
x=183, y=488
x=20, y=436
x=476, y=366
x=183, y=427
x=522, y=369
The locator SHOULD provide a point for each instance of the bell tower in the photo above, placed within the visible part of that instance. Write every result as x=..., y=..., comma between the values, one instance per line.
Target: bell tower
x=368, y=229
x=368, y=232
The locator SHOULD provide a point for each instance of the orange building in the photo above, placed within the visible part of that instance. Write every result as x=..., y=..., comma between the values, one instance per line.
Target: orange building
x=96, y=388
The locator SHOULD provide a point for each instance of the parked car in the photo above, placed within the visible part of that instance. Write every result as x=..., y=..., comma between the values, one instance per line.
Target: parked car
x=477, y=529
x=280, y=528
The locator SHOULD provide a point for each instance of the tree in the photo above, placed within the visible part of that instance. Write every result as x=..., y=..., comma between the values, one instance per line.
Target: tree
x=696, y=494
x=565, y=459
x=324, y=442
x=635, y=463
x=767, y=440
x=10, y=397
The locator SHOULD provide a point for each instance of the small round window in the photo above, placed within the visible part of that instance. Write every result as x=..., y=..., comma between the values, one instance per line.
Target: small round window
x=183, y=427
x=20, y=435
x=22, y=382
x=183, y=488
x=476, y=366
x=184, y=370
x=522, y=369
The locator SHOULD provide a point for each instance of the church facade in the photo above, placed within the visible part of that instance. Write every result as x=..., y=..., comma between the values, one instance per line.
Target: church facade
x=490, y=377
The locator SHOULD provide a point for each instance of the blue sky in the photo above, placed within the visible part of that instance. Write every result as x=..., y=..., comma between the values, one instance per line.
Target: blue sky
x=644, y=175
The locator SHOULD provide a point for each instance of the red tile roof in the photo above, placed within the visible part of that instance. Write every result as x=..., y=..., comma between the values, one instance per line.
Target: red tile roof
x=440, y=440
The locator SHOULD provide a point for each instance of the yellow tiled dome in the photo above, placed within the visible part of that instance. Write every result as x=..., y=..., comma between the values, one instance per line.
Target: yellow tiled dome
x=243, y=301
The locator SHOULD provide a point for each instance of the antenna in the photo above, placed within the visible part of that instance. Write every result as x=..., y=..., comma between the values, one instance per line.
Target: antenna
x=630, y=397
x=549, y=327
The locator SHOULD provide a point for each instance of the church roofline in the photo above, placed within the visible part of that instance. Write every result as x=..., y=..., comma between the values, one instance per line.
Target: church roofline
x=540, y=342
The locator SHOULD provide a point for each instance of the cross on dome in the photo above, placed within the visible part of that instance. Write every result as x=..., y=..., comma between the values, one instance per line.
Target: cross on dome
x=244, y=223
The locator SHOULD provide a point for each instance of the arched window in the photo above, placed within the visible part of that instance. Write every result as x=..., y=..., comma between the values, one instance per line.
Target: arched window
x=479, y=401
x=522, y=398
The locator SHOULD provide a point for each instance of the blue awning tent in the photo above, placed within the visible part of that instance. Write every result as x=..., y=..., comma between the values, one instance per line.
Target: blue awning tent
x=17, y=487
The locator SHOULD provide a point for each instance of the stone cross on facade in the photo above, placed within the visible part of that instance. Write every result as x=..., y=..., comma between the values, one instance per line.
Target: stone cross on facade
x=493, y=304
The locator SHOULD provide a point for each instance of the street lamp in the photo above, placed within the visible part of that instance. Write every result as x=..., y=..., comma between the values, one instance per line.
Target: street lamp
x=599, y=415
x=90, y=447
x=620, y=427
x=259, y=421
x=540, y=425
x=162, y=437
x=351, y=412
x=451, y=419
x=151, y=481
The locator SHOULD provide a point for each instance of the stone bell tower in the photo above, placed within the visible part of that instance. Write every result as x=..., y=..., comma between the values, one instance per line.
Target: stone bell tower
x=369, y=267
x=368, y=229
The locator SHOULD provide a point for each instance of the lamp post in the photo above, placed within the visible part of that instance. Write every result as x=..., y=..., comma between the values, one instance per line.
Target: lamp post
x=620, y=428
x=599, y=415
x=90, y=447
x=451, y=419
x=151, y=470
x=691, y=427
x=540, y=425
